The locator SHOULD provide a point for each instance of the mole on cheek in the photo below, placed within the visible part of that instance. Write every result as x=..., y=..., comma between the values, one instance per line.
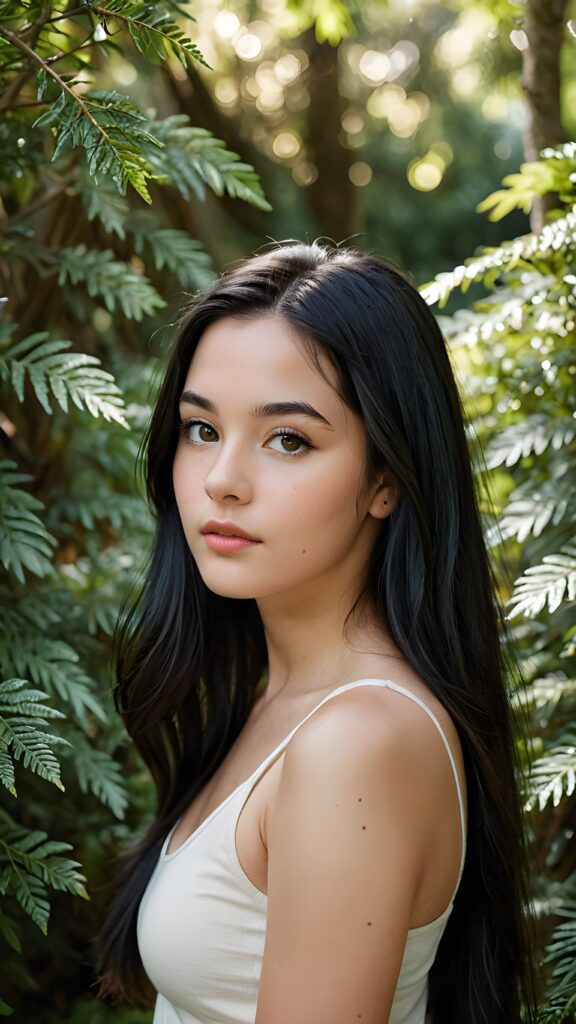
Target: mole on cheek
x=303, y=551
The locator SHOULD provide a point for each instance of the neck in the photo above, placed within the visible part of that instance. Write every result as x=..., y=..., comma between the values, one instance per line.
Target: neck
x=311, y=646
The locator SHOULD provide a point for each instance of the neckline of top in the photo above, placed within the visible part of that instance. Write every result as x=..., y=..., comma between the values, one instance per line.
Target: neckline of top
x=200, y=828
x=167, y=857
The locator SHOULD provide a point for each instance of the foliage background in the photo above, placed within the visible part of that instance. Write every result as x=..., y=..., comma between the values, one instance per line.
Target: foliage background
x=121, y=193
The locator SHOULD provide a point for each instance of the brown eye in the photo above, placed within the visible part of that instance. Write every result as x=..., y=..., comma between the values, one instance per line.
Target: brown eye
x=200, y=432
x=289, y=444
x=205, y=432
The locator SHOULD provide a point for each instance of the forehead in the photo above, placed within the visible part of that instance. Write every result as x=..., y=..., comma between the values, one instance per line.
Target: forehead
x=263, y=357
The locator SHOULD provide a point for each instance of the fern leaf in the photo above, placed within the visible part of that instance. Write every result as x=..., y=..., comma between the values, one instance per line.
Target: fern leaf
x=8, y=930
x=50, y=367
x=7, y=774
x=115, y=282
x=553, y=776
x=176, y=250
x=154, y=32
x=561, y=951
x=110, y=208
x=532, y=508
x=89, y=508
x=548, y=584
x=15, y=696
x=110, y=129
x=53, y=665
x=33, y=862
x=193, y=158
x=98, y=773
x=531, y=435
x=493, y=262
x=24, y=541
x=20, y=733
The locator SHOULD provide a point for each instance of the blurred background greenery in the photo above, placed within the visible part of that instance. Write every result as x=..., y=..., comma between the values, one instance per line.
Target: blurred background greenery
x=143, y=148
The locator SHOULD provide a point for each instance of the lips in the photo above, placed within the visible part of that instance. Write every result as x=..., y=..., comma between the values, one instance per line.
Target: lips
x=227, y=529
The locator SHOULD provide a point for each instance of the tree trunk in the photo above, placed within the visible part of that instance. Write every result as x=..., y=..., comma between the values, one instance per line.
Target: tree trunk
x=332, y=197
x=544, y=26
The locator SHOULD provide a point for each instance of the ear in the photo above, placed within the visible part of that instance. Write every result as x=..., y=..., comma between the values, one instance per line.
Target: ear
x=384, y=497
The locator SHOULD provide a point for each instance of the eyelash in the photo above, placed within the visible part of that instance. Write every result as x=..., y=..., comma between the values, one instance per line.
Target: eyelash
x=279, y=432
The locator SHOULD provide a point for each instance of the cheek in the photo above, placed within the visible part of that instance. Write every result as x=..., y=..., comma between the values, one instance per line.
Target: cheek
x=183, y=479
x=325, y=502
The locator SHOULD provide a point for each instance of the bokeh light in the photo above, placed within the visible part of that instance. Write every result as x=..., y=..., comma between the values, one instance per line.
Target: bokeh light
x=360, y=174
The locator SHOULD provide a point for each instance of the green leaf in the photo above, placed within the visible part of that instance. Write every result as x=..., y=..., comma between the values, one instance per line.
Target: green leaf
x=193, y=157
x=117, y=283
x=24, y=541
x=154, y=32
x=8, y=931
x=110, y=208
x=550, y=584
x=532, y=434
x=553, y=237
x=50, y=367
x=32, y=864
x=53, y=665
x=111, y=131
x=184, y=256
x=98, y=773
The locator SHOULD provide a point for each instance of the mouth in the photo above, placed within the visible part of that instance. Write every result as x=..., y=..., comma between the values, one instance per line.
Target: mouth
x=229, y=530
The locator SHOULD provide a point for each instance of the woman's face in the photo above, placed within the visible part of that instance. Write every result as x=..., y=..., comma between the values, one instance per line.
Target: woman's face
x=267, y=447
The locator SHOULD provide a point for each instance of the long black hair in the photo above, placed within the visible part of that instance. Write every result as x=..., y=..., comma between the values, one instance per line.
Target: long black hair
x=189, y=662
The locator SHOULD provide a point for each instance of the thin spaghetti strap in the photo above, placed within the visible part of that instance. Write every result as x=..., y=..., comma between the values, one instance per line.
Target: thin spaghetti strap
x=406, y=693
x=412, y=696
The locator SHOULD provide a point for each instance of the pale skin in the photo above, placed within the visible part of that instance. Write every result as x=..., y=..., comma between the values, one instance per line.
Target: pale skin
x=354, y=831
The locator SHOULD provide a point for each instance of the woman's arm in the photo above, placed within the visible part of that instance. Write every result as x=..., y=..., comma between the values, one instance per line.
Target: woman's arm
x=347, y=839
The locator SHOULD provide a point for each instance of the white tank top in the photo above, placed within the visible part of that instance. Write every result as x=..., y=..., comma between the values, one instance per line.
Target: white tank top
x=202, y=923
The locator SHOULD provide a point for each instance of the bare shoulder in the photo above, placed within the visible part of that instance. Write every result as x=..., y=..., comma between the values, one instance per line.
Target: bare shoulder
x=349, y=835
x=369, y=726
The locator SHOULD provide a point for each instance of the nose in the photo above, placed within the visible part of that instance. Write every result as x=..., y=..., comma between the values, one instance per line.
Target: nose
x=228, y=478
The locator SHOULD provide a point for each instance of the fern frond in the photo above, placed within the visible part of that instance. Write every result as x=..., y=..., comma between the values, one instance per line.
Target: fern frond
x=110, y=208
x=53, y=665
x=98, y=773
x=115, y=282
x=184, y=256
x=531, y=508
x=154, y=32
x=193, y=158
x=561, y=951
x=24, y=541
x=553, y=775
x=50, y=367
x=531, y=435
x=21, y=713
x=548, y=584
x=110, y=130
x=556, y=235
x=32, y=862
x=88, y=508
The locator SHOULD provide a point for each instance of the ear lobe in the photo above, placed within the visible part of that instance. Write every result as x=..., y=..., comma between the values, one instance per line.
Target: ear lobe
x=384, y=500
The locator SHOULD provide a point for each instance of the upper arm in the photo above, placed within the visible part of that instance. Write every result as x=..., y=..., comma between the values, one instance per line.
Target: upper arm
x=346, y=846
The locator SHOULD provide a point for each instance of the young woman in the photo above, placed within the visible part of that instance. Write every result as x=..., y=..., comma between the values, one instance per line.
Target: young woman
x=312, y=673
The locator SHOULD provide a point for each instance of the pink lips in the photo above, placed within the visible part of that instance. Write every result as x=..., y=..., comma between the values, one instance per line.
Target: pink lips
x=225, y=544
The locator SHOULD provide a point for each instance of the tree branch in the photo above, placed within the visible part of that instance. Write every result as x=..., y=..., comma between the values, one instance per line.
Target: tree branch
x=44, y=199
x=12, y=38
x=6, y=101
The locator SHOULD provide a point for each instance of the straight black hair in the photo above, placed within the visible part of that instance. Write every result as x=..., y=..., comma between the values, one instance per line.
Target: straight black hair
x=189, y=662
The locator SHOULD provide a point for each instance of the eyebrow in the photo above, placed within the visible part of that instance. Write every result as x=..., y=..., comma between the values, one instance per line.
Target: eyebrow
x=261, y=411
